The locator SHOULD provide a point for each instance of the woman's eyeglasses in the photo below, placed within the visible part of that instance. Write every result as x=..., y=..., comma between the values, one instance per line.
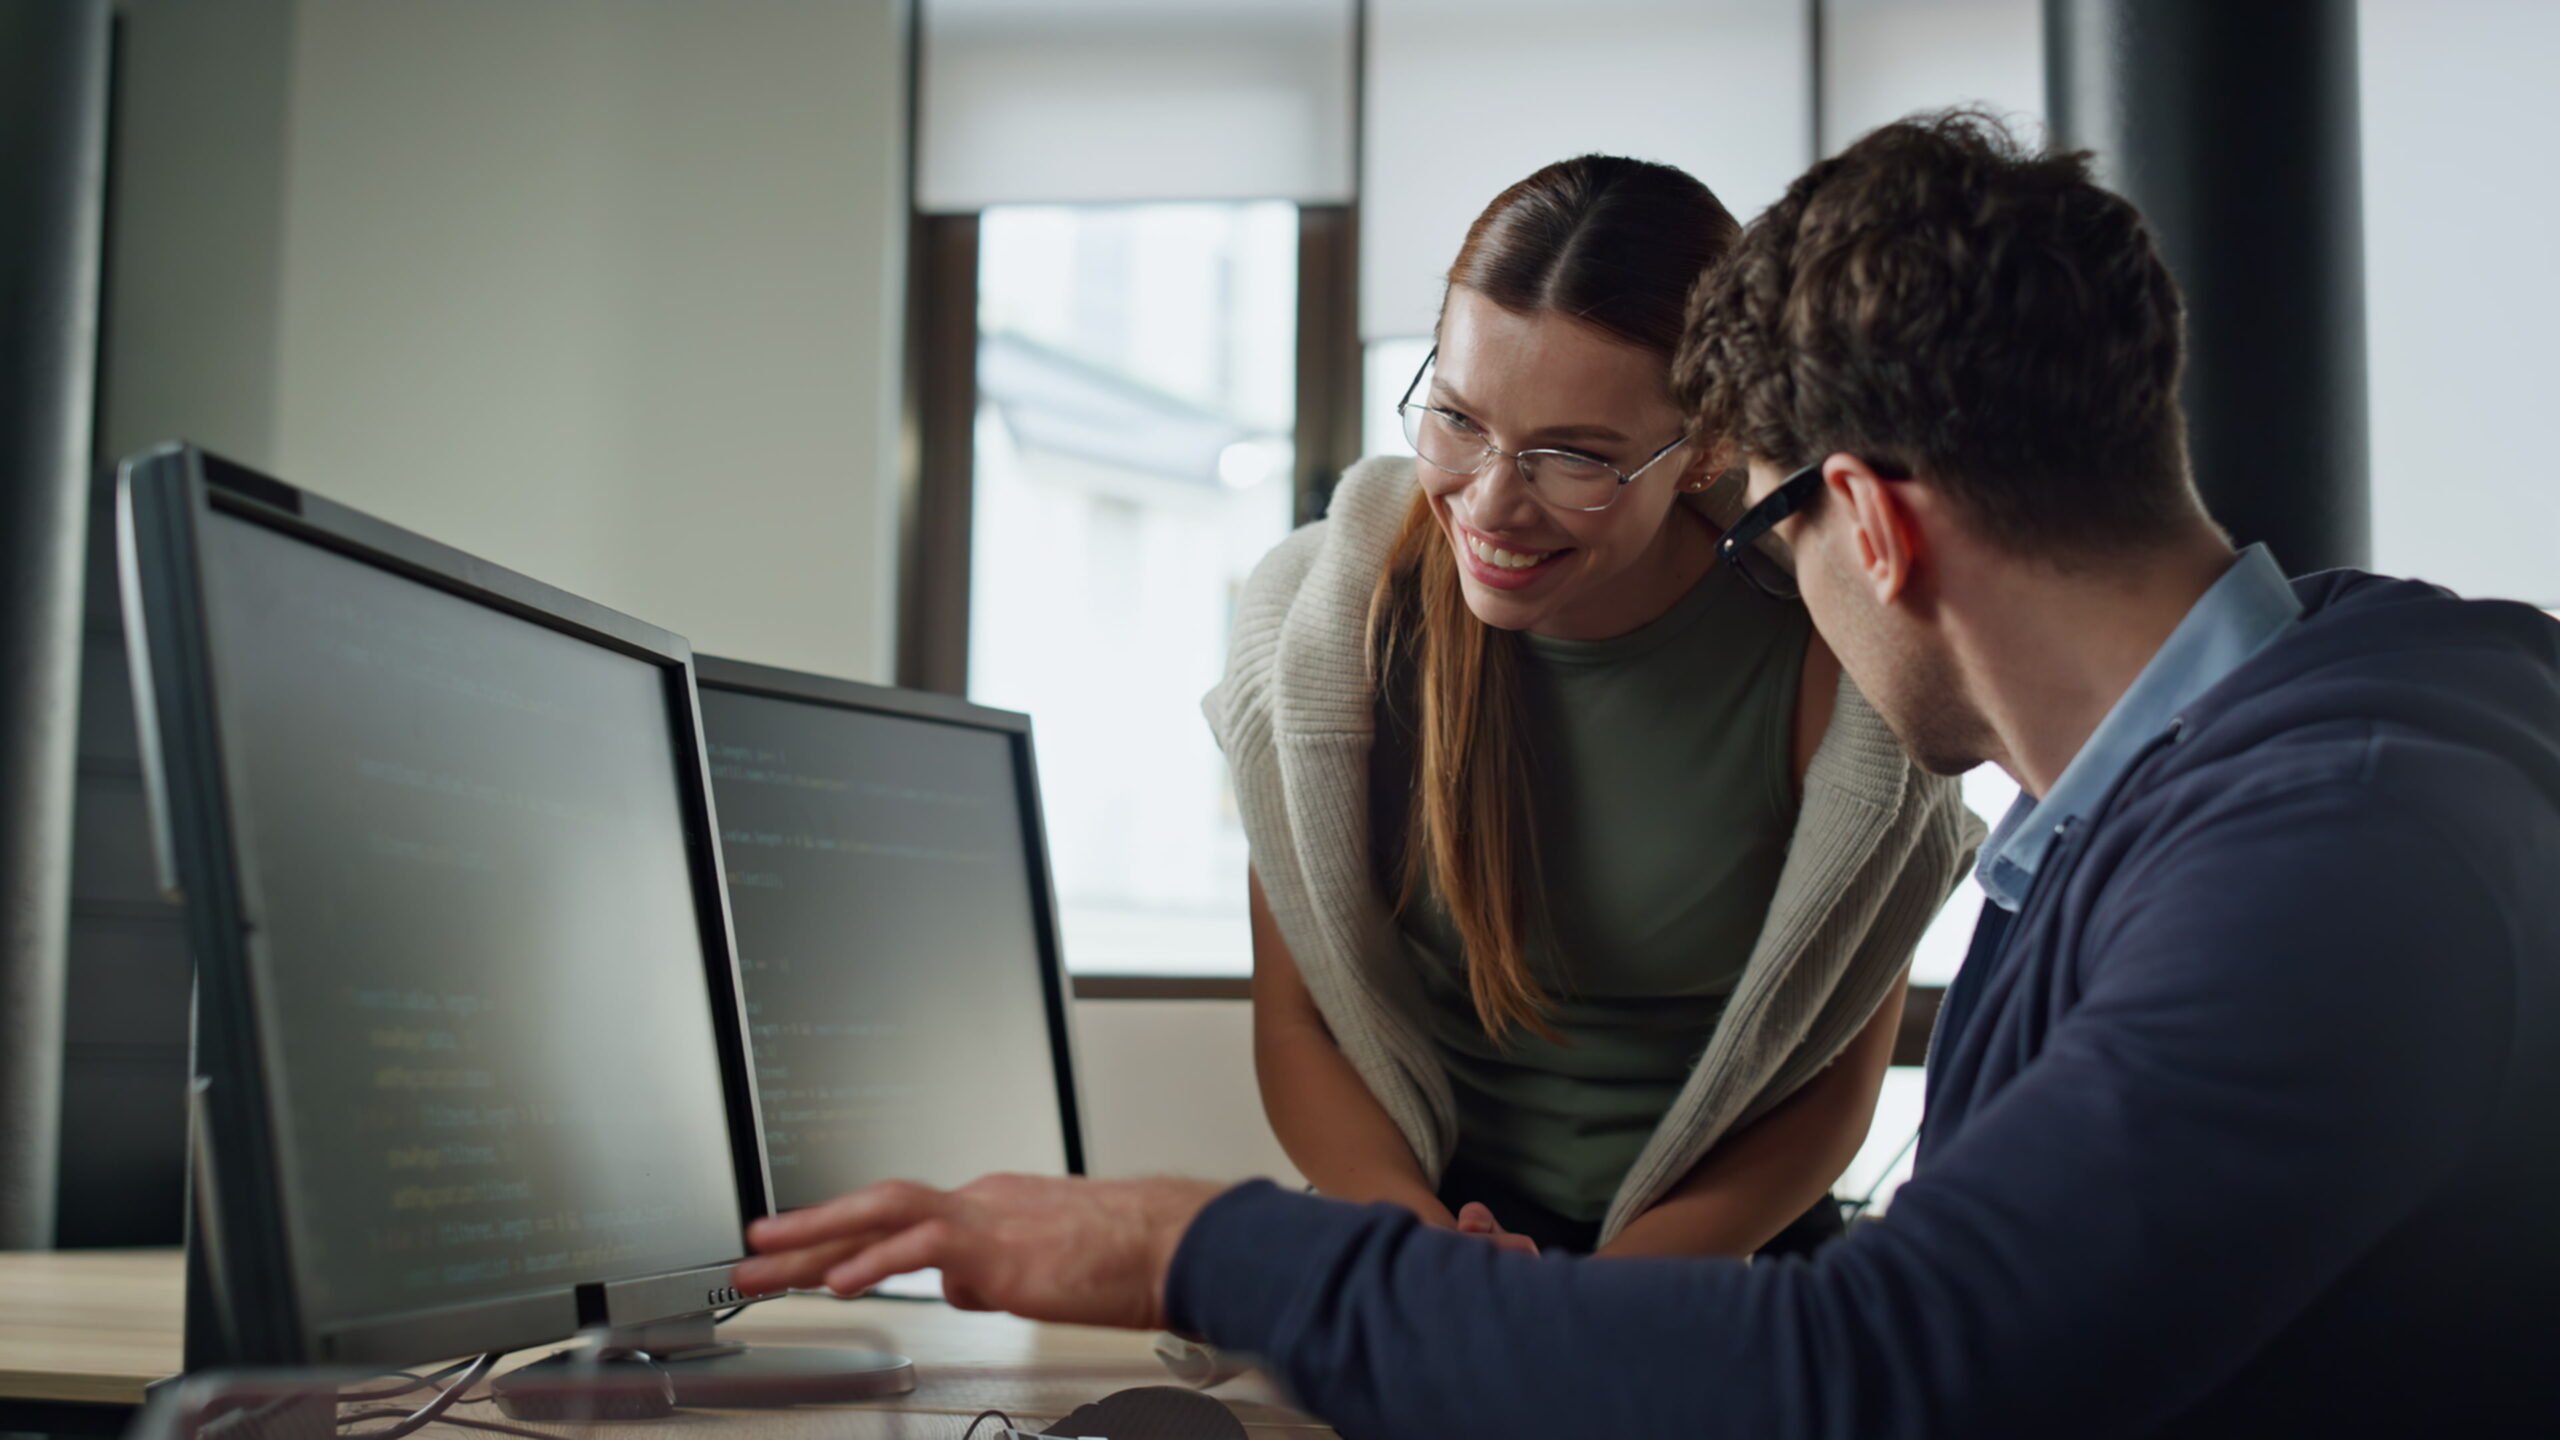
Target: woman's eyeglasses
x=1561, y=479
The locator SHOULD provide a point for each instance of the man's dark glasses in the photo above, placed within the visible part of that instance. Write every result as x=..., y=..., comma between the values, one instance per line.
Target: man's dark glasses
x=1740, y=547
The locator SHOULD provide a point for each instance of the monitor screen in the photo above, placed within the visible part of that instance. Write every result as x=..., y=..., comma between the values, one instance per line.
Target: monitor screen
x=891, y=932
x=477, y=958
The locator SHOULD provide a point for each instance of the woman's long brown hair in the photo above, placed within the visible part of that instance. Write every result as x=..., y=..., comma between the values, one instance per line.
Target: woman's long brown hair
x=1618, y=244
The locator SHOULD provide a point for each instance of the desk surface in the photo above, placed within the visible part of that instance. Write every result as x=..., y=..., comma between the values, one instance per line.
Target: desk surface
x=96, y=1327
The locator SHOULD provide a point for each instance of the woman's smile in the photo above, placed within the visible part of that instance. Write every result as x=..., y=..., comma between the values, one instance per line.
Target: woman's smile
x=1502, y=562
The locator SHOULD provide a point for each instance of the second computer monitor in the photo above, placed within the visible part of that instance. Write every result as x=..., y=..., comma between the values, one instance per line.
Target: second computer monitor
x=890, y=888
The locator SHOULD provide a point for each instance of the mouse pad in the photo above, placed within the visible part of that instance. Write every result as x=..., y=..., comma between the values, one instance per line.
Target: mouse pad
x=1152, y=1412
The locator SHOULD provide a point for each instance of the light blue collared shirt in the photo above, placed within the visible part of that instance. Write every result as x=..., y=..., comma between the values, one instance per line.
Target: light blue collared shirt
x=2245, y=610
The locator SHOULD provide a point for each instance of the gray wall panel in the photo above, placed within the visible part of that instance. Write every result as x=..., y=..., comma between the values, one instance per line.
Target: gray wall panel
x=124, y=1121
x=129, y=989
x=54, y=61
x=111, y=857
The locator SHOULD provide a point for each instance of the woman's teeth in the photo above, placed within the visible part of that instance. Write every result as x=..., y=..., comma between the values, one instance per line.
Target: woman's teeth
x=1505, y=559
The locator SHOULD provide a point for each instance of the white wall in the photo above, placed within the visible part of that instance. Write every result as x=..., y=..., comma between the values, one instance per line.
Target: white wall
x=1113, y=101
x=1885, y=59
x=1465, y=97
x=2462, y=299
x=195, y=226
x=1168, y=1089
x=604, y=290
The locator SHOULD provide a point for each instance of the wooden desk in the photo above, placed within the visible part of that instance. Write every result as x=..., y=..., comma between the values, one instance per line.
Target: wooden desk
x=83, y=1332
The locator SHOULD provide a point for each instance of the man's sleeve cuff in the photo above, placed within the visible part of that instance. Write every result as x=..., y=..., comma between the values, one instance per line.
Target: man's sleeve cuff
x=1245, y=1258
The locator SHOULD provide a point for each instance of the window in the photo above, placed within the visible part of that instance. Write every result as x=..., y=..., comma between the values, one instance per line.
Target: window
x=1136, y=374
x=2461, y=300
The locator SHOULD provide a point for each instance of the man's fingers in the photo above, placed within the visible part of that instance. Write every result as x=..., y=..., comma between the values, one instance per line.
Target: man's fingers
x=1475, y=1218
x=890, y=1205
x=799, y=1269
x=921, y=1247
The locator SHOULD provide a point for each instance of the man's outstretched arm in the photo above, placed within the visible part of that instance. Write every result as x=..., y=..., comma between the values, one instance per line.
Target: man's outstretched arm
x=2105, y=1243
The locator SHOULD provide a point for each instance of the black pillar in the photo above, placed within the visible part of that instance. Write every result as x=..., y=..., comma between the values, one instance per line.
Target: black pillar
x=2233, y=124
x=53, y=126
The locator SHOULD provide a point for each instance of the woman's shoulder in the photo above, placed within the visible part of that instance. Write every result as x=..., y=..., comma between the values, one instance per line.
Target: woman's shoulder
x=1361, y=519
x=1371, y=499
x=1859, y=753
x=1302, y=620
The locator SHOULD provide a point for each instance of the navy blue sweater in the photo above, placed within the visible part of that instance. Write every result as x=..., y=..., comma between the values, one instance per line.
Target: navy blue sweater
x=2249, y=1125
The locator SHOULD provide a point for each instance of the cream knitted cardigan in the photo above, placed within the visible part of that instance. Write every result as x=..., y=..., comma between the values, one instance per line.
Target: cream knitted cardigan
x=1877, y=847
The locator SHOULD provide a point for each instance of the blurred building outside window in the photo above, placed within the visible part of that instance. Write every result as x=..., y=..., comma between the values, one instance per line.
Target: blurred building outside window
x=1136, y=383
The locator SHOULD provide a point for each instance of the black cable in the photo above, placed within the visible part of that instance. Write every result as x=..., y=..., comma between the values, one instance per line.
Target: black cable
x=425, y=1415
x=410, y=1383
x=972, y=1432
x=463, y=1421
x=413, y=1383
x=499, y=1426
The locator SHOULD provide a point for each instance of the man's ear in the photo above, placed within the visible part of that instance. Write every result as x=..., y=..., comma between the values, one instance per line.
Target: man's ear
x=1886, y=539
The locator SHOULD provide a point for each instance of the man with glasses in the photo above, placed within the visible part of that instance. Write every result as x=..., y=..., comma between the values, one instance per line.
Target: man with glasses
x=2244, y=1113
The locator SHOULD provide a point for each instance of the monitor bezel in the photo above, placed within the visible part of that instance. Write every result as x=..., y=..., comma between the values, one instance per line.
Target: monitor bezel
x=744, y=677
x=248, y=1292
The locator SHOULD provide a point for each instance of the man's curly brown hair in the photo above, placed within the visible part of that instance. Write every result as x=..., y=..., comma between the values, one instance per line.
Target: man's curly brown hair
x=1945, y=303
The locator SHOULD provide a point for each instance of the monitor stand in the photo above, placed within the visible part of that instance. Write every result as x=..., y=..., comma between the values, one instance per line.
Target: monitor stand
x=704, y=1371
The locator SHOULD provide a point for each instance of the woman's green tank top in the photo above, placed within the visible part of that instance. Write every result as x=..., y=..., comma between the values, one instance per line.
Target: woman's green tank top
x=1664, y=806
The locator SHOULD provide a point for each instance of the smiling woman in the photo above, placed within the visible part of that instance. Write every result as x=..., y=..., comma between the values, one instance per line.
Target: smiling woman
x=1522, y=768
x=1524, y=549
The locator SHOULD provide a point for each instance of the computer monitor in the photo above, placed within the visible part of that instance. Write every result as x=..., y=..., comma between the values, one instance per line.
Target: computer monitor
x=470, y=1068
x=890, y=886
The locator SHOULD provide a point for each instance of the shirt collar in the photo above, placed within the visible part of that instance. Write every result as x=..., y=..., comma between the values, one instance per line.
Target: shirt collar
x=2245, y=610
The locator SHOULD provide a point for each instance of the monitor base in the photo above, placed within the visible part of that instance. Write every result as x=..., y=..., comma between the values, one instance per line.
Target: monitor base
x=642, y=1375
x=745, y=1375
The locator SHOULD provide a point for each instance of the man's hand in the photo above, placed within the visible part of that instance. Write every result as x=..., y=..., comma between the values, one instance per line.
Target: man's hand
x=1088, y=1252
x=1476, y=1218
